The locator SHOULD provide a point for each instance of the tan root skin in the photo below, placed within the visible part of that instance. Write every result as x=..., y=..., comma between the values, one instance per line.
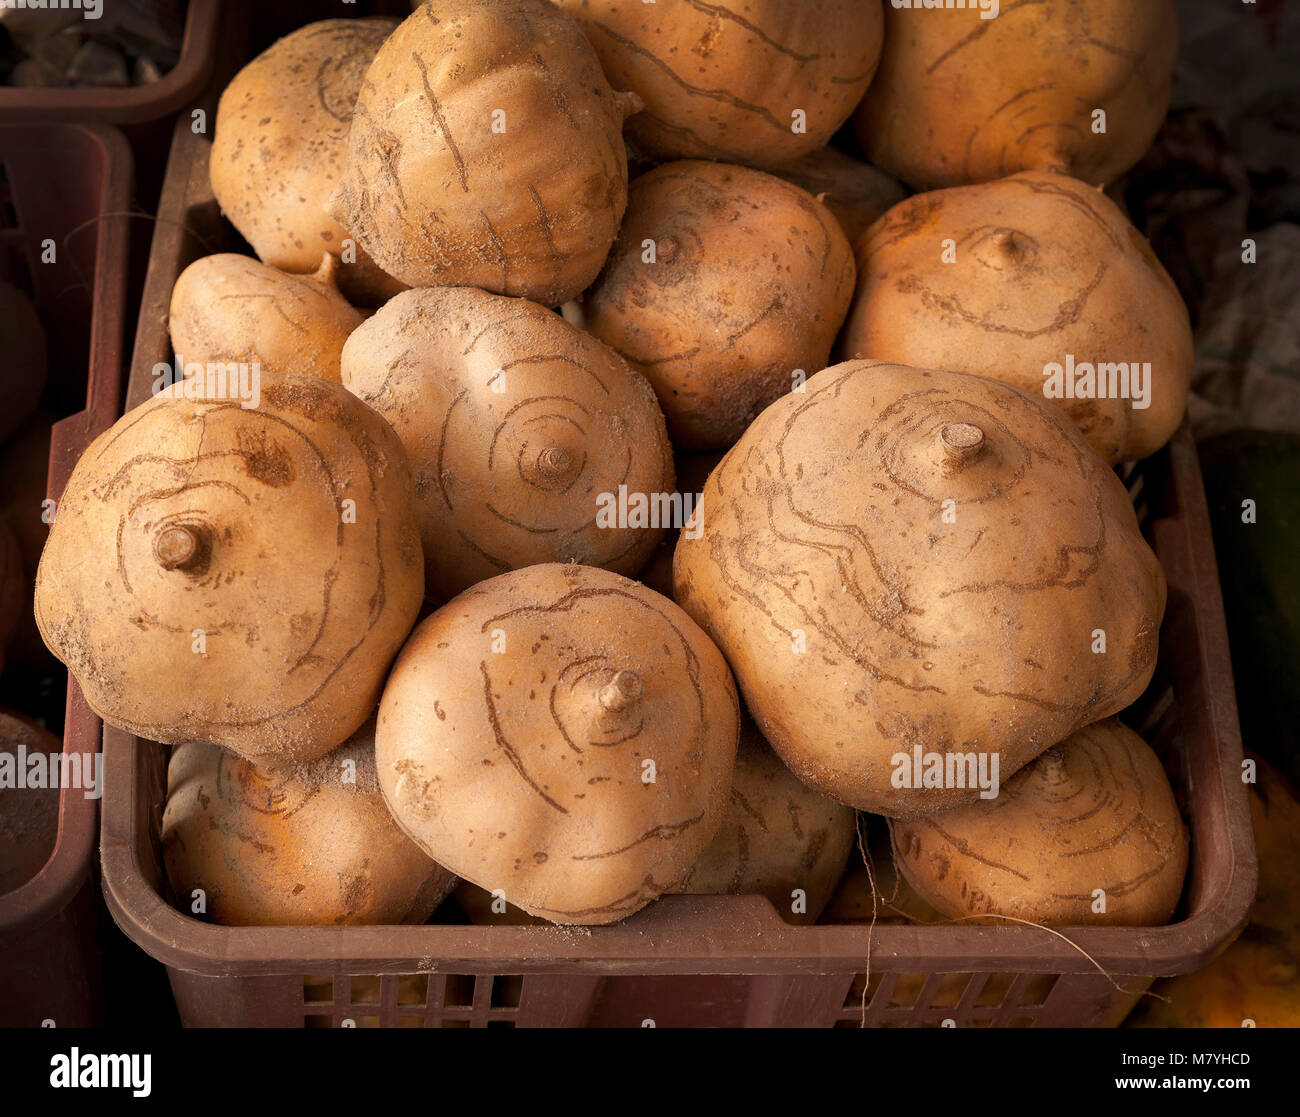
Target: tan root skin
x=439, y=198
x=22, y=340
x=1095, y=812
x=777, y=836
x=29, y=817
x=509, y=478
x=302, y=612
x=1045, y=266
x=752, y=280
x=962, y=99
x=511, y=768
x=231, y=308
x=722, y=81
x=281, y=146
x=855, y=192
x=972, y=636
x=294, y=847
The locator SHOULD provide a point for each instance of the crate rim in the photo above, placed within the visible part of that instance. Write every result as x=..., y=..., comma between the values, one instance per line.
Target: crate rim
x=634, y=947
x=137, y=104
x=54, y=886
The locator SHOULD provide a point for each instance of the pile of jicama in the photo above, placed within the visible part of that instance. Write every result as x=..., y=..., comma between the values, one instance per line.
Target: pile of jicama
x=589, y=535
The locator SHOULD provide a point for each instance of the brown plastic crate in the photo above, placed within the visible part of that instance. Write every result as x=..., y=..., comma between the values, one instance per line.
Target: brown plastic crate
x=137, y=104
x=70, y=183
x=699, y=960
